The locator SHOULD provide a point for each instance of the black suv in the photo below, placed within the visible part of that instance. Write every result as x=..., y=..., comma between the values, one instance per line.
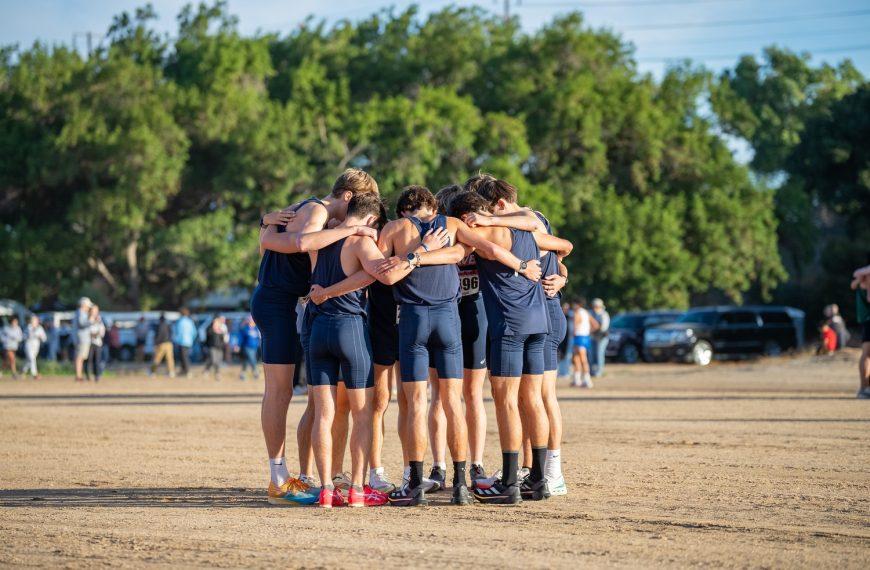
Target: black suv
x=707, y=332
x=626, y=332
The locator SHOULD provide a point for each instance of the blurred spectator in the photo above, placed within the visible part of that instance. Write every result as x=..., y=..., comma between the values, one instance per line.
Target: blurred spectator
x=829, y=339
x=163, y=347
x=35, y=337
x=141, y=339
x=861, y=285
x=53, y=344
x=185, y=336
x=600, y=337
x=250, y=344
x=82, y=330
x=584, y=326
x=216, y=340
x=12, y=337
x=836, y=322
x=95, y=354
x=114, y=342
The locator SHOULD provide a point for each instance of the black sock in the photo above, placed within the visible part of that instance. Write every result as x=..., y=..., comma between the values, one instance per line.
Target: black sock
x=509, y=462
x=416, y=478
x=459, y=474
x=539, y=459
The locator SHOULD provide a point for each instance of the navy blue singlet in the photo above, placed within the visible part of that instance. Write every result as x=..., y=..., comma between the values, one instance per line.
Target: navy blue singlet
x=550, y=261
x=328, y=271
x=431, y=284
x=289, y=273
x=514, y=304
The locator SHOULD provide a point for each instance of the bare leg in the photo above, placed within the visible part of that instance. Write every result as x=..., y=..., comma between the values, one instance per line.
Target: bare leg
x=533, y=409
x=303, y=438
x=584, y=360
x=505, y=392
x=273, y=411
x=554, y=412
x=380, y=401
x=437, y=421
x=864, y=366
x=415, y=436
x=340, y=429
x=360, y=404
x=321, y=435
x=402, y=427
x=527, y=439
x=475, y=413
x=450, y=390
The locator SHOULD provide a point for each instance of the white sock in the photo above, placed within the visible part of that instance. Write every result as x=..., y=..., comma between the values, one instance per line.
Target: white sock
x=375, y=472
x=553, y=469
x=576, y=377
x=406, y=474
x=442, y=465
x=278, y=470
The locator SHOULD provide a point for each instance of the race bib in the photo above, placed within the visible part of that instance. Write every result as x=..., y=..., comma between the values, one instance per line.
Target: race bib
x=469, y=282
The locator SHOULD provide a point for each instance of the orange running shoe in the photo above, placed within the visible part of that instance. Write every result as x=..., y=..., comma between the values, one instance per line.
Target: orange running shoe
x=292, y=493
x=368, y=497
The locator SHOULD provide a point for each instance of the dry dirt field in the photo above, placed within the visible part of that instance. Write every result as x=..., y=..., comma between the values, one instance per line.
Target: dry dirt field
x=752, y=464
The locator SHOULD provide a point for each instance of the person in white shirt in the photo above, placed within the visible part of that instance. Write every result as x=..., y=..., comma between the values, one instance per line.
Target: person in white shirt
x=95, y=354
x=600, y=337
x=12, y=337
x=35, y=337
x=584, y=326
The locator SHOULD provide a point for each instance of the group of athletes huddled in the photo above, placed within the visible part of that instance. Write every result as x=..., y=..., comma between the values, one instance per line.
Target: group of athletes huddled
x=460, y=283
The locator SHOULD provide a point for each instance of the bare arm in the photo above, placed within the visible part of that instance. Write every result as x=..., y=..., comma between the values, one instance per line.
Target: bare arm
x=561, y=247
x=354, y=282
x=522, y=220
x=318, y=240
x=288, y=242
x=495, y=252
x=554, y=283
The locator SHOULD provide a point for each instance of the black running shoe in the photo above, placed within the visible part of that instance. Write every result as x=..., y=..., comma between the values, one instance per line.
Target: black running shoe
x=438, y=476
x=477, y=474
x=461, y=496
x=534, y=491
x=499, y=494
x=407, y=496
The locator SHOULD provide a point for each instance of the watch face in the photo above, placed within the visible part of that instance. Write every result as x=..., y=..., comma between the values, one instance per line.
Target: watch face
x=411, y=256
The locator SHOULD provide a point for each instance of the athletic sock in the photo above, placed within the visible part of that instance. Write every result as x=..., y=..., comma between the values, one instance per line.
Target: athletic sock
x=441, y=465
x=459, y=474
x=278, y=470
x=416, y=478
x=406, y=474
x=509, y=462
x=576, y=377
x=539, y=457
x=375, y=472
x=553, y=470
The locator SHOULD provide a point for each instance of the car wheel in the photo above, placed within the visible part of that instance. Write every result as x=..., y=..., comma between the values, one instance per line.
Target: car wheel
x=629, y=353
x=702, y=353
x=772, y=348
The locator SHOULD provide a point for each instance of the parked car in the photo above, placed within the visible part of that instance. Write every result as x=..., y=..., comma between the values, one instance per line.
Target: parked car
x=626, y=332
x=704, y=333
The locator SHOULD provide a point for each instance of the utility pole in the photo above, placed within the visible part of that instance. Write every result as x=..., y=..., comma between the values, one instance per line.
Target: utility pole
x=506, y=8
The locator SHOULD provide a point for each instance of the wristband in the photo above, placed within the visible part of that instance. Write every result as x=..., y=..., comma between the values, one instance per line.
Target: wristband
x=262, y=225
x=425, y=247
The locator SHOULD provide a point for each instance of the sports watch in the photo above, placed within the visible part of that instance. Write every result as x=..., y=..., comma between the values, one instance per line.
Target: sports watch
x=524, y=265
x=413, y=259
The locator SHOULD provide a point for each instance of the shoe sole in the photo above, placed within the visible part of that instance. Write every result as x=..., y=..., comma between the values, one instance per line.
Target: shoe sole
x=559, y=492
x=461, y=501
x=282, y=503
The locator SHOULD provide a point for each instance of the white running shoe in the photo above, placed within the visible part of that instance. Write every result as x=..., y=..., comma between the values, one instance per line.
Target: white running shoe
x=342, y=481
x=428, y=484
x=863, y=394
x=557, y=486
x=308, y=480
x=380, y=482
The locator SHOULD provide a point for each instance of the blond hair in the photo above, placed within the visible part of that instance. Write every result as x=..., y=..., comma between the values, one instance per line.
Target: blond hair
x=355, y=181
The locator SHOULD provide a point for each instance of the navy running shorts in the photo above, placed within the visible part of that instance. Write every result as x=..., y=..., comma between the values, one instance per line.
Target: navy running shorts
x=512, y=356
x=472, y=316
x=340, y=344
x=558, y=330
x=385, y=339
x=429, y=335
x=274, y=313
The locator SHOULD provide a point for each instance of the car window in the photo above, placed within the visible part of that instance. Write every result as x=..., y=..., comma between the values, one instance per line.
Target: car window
x=626, y=322
x=703, y=317
x=739, y=318
x=775, y=317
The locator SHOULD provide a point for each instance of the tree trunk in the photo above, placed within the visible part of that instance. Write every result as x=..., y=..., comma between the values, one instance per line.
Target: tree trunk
x=133, y=278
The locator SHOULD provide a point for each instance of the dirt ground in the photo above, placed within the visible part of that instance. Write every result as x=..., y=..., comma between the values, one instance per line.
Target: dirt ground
x=740, y=464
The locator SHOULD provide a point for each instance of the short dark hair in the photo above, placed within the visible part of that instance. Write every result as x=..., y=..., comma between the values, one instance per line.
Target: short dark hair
x=496, y=189
x=414, y=198
x=467, y=203
x=364, y=204
x=473, y=183
x=444, y=196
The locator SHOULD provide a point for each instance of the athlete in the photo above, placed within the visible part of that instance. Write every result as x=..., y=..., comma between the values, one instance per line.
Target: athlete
x=518, y=325
x=284, y=276
x=584, y=326
x=429, y=331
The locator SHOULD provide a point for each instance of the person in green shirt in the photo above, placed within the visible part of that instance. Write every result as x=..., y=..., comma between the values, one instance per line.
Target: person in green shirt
x=861, y=285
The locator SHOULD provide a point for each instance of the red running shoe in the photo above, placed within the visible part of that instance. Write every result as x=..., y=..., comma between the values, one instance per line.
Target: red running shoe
x=329, y=498
x=368, y=497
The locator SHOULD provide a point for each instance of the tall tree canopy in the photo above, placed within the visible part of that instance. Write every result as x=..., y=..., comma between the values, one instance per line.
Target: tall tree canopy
x=139, y=172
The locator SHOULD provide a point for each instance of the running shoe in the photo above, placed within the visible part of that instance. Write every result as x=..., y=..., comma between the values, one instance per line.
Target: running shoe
x=499, y=494
x=309, y=480
x=380, y=482
x=342, y=481
x=863, y=394
x=477, y=474
x=438, y=476
x=461, y=496
x=368, y=497
x=523, y=474
x=429, y=485
x=292, y=493
x=329, y=498
x=488, y=482
x=557, y=486
x=408, y=497
x=534, y=490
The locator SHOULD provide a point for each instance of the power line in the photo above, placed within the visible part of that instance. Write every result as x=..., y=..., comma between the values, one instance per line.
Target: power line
x=620, y=3
x=750, y=21
x=842, y=49
x=766, y=37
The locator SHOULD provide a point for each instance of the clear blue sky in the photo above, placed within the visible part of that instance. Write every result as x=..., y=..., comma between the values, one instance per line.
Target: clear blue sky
x=714, y=32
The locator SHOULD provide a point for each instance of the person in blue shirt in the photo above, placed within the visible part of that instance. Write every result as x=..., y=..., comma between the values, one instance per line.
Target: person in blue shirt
x=184, y=336
x=249, y=342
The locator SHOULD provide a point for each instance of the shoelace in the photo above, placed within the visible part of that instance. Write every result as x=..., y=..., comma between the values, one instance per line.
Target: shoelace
x=296, y=486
